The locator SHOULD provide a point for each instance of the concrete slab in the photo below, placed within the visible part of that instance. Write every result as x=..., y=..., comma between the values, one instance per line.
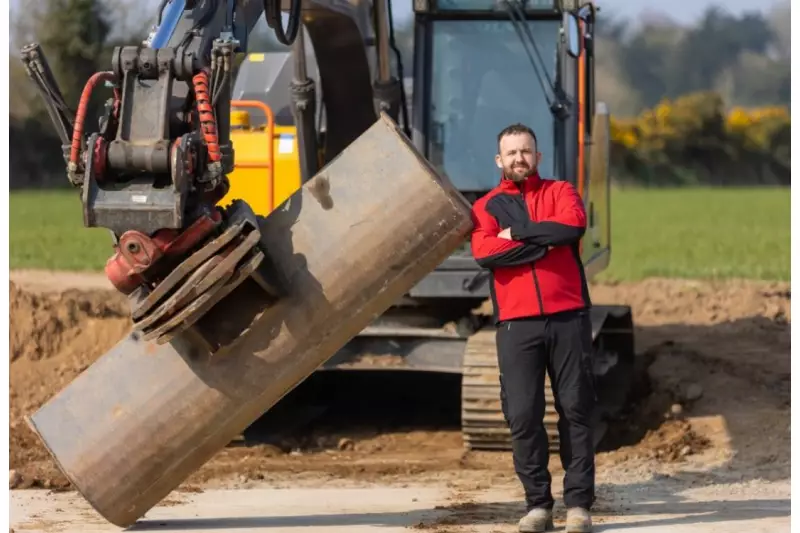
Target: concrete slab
x=255, y=510
x=394, y=510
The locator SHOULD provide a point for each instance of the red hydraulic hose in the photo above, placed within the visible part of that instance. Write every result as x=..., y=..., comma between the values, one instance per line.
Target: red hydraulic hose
x=206, y=115
x=80, y=116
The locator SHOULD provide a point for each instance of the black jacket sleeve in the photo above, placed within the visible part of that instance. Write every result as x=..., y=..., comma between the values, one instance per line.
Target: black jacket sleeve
x=519, y=255
x=546, y=233
x=567, y=226
x=491, y=251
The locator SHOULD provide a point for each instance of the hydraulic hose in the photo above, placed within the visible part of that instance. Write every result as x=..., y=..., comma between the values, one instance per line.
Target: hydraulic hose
x=205, y=112
x=272, y=12
x=80, y=116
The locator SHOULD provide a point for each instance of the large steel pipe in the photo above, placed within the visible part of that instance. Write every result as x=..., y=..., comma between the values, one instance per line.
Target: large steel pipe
x=353, y=240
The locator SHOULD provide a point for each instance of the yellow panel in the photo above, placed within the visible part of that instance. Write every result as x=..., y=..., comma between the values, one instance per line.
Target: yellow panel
x=250, y=179
x=287, y=163
x=250, y=185
x=240, y=118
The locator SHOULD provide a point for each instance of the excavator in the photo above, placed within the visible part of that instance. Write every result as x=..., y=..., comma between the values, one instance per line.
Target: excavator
x=255, y=255
x=477, y=67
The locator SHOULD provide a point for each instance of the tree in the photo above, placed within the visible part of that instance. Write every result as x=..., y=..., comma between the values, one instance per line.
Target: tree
x=72, y=34
x=746, y=58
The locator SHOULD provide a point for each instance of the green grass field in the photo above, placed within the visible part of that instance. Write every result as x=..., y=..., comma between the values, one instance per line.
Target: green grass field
x=697, y=233
x=701, y=233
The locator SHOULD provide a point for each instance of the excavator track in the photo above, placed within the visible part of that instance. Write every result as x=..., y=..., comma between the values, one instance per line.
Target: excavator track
x=483, y=424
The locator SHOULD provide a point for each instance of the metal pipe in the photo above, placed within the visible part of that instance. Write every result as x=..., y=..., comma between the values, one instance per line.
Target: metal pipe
x=144, y=416
x=304, y=110
x=382, y=41
x=299, y=53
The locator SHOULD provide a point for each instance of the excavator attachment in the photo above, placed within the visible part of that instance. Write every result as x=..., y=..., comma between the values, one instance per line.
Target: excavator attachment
x=341, y=251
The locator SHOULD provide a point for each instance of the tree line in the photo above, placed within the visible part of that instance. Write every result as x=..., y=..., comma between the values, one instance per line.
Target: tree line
x=705, y=103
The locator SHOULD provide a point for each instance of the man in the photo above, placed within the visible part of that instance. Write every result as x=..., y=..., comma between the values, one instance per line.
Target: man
x=527, y=232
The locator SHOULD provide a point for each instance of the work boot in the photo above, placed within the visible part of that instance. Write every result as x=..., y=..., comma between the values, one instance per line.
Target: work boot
x=578, y=520
x=536, y=521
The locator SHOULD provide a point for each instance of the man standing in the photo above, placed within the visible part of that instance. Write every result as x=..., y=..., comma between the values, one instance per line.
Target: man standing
x=526, y=233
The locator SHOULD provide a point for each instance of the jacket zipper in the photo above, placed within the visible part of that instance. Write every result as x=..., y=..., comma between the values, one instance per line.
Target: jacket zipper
x=533, y=265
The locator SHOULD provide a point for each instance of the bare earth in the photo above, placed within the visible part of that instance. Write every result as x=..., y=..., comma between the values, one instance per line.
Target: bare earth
x=708, y=434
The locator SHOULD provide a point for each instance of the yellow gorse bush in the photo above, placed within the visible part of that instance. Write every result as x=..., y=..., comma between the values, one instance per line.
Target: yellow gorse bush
x=757, y=128
x=694, y=137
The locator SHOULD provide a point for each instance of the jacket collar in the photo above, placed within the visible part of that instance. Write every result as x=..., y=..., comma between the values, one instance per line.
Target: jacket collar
x=530, y=183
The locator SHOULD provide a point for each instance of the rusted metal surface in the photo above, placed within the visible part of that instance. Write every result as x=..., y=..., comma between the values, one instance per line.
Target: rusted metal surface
x=143, y=303
x=145, y=416
x=208, y=279
x=200, y=308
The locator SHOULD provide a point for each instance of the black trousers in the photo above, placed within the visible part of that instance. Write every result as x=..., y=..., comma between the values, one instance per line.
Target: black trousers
x=560, y=344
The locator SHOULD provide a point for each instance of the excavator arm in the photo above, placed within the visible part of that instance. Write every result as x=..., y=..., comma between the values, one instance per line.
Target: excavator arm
x=171, y=97
x=156, y=169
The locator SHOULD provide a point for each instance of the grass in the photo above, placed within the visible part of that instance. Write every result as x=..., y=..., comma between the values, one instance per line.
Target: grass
x=700, y=234
x=47, y=232
x=686, y=233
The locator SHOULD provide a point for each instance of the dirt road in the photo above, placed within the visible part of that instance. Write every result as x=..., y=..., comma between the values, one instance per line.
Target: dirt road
x=711, y=424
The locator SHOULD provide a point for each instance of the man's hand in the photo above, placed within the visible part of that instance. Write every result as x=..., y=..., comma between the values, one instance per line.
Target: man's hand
x=505, y=234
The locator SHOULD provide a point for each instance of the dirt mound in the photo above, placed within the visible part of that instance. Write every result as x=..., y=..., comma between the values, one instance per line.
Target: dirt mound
x=54, y=337
x=715, y=357
x=45, y=325
x=716, y=375
x=656, y=301
x=669, y=442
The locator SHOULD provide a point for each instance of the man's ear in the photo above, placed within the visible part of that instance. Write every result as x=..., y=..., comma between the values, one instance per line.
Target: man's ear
x=498, y=162
x=538, y=158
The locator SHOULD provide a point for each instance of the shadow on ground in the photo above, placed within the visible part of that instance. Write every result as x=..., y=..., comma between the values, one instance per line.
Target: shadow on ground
x=491, y=514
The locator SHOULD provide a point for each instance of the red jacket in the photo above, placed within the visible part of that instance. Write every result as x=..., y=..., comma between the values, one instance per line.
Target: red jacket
x=539, y=272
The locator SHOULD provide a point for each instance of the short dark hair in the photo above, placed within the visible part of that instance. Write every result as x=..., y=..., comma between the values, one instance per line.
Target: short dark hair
x=515, y=129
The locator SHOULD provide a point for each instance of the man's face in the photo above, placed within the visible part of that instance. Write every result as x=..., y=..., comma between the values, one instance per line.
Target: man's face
x=518, y=157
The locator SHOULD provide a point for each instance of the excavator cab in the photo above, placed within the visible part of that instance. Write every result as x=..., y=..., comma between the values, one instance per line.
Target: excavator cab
x=474, y=78
x=480, y=65
x=477, y=66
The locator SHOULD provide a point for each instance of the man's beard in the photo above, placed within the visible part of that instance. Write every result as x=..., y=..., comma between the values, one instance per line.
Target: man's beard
x=519, y=173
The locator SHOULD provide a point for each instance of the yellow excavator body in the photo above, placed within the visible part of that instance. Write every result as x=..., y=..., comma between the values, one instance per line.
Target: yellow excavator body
x=267, y=165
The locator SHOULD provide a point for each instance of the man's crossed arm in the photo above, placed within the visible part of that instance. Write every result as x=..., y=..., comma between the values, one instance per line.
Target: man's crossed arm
x=527, y=241
x=492, y=251
x=566, y=227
